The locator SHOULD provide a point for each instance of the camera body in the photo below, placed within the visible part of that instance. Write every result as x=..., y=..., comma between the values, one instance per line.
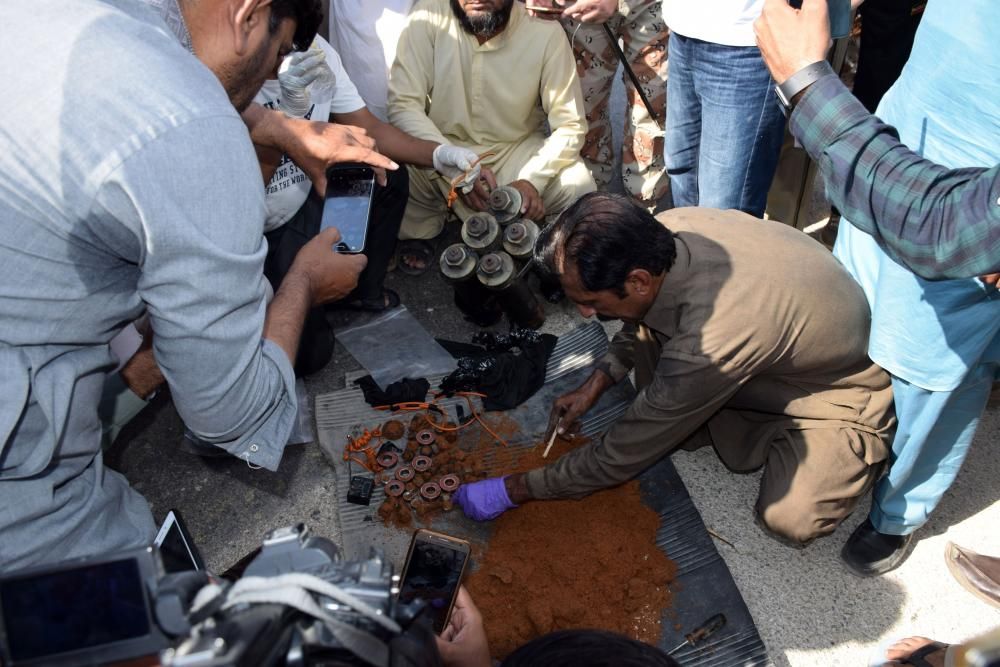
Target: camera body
x=265, y=634
x=344, y=612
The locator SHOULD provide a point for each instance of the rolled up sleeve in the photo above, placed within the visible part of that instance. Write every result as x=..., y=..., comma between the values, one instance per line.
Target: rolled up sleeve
x=199, y=228
x=685, y=392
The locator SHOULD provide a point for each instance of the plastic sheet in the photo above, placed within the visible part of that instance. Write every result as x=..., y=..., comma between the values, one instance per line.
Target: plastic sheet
x=394, y=346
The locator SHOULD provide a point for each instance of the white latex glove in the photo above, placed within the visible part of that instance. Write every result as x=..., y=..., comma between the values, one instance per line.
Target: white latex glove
x=296, y=73
x=453, y=161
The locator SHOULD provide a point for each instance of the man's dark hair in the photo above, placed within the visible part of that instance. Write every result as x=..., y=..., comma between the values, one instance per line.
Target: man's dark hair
x=606, y=236
x=307, y=14
x=587, y=648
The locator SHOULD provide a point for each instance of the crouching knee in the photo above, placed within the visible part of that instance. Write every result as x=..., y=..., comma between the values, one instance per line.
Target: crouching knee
x=793, y=528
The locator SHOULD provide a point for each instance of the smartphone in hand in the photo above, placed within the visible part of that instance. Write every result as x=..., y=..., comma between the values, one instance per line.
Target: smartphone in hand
x=348, y=202
x=433, y=572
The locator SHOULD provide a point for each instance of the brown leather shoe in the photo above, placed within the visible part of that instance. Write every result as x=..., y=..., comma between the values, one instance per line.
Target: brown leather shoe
x=978, y=574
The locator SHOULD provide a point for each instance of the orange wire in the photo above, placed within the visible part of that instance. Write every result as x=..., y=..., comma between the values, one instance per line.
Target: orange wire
x=452, y=193
x=467, y=395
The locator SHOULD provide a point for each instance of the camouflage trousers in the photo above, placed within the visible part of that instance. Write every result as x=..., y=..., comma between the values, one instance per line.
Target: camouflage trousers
x=644, y=42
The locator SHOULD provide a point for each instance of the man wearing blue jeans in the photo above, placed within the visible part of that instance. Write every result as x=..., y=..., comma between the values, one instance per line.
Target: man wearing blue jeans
x=724, y=126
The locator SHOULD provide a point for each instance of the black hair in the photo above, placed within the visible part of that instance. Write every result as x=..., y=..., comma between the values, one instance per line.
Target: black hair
x=587, y=648
x=606, y=236
x=307, y=14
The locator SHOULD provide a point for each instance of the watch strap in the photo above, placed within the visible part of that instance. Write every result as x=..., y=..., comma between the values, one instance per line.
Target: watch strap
x=796, y=83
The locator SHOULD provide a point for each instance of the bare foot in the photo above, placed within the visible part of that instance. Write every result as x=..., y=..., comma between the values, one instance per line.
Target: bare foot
x=904, y=648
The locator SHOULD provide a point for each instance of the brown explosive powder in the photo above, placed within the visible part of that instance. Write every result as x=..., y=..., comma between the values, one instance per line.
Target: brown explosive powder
x=555, y=564
x=558, y=564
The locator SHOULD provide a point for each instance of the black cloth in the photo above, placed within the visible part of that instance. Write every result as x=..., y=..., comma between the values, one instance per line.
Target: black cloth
x=284, y=243
x=407, y=390
x=887, y=31
x=508, y=369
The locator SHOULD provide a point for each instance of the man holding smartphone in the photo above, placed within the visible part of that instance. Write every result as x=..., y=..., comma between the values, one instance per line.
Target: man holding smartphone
x=104, y=215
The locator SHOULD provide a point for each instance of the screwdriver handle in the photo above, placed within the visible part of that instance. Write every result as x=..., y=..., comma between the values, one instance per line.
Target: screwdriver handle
x=707, y=628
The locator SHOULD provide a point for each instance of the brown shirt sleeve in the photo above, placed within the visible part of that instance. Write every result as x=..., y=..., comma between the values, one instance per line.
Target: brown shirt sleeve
x=620, y=357
x=685, y=392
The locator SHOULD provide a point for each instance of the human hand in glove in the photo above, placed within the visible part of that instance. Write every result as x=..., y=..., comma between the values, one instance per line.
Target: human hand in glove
x=485, y=500
x=453, y=162
x=296, y=73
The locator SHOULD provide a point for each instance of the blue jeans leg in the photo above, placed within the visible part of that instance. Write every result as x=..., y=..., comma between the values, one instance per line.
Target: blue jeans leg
x=724, y=128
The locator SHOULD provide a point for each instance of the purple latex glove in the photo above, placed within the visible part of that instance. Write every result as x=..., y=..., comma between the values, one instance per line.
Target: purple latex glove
x=484, y=500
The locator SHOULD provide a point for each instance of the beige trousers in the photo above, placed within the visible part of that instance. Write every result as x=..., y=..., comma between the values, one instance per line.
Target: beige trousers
x=426, y=209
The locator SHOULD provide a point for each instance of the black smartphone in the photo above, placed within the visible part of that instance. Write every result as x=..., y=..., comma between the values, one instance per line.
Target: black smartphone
x=349, y=188
x=177, y=550
x=840, y=16
x=433, y=572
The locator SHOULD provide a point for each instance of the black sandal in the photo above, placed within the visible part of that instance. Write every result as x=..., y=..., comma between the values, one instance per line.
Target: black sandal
x=418, y=250
x=387, y=300
x=917, y=657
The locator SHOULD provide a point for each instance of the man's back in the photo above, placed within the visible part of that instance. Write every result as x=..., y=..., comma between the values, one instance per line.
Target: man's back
x=774, y=310
x=103, y=207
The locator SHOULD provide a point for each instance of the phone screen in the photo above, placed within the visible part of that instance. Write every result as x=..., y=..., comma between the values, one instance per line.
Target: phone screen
x=74, y=609
x=433, y=573
x=177, y=551
x=347, y=205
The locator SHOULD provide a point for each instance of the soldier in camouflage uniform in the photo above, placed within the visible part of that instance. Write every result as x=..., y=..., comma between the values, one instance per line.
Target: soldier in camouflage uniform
x=639, y=25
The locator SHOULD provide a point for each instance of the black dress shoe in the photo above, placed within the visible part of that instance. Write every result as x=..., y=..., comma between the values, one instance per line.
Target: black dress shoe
x=869, y=553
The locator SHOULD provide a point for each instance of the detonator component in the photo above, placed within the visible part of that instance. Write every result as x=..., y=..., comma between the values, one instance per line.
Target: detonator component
x=360, y=490
x=497, y=272
x=425, y=437
x=449, y=483
x=430, y=490
x=519, y=238
x=481, y=232
x=458, y=262
x=421, y=463
x=505, y=203
x=387, y=459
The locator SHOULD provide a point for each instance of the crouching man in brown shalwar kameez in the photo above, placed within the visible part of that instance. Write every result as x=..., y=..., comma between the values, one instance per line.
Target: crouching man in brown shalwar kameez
x=743, y=334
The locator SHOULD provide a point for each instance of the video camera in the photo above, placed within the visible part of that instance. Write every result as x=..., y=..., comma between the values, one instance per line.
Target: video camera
x=297, y=603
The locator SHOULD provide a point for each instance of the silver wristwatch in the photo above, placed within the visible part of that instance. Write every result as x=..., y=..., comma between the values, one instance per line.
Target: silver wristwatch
x=796, y=83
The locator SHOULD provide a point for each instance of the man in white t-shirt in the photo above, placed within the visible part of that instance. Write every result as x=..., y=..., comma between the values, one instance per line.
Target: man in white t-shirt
x=313, y=85
x=724, y=126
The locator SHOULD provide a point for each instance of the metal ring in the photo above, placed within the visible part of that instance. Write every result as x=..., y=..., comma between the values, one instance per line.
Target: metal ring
x=405, y=474
x=394, y=488
x=430, y=490
x=421, y=463
x=387, y=459
x=425, y=437
x=449, y=483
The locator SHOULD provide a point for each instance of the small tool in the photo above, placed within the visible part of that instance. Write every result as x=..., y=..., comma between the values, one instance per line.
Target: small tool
x=701, y=633
x=553, y=434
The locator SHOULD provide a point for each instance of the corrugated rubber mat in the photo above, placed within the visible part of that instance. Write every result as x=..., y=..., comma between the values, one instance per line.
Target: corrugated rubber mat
x=704, y=583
